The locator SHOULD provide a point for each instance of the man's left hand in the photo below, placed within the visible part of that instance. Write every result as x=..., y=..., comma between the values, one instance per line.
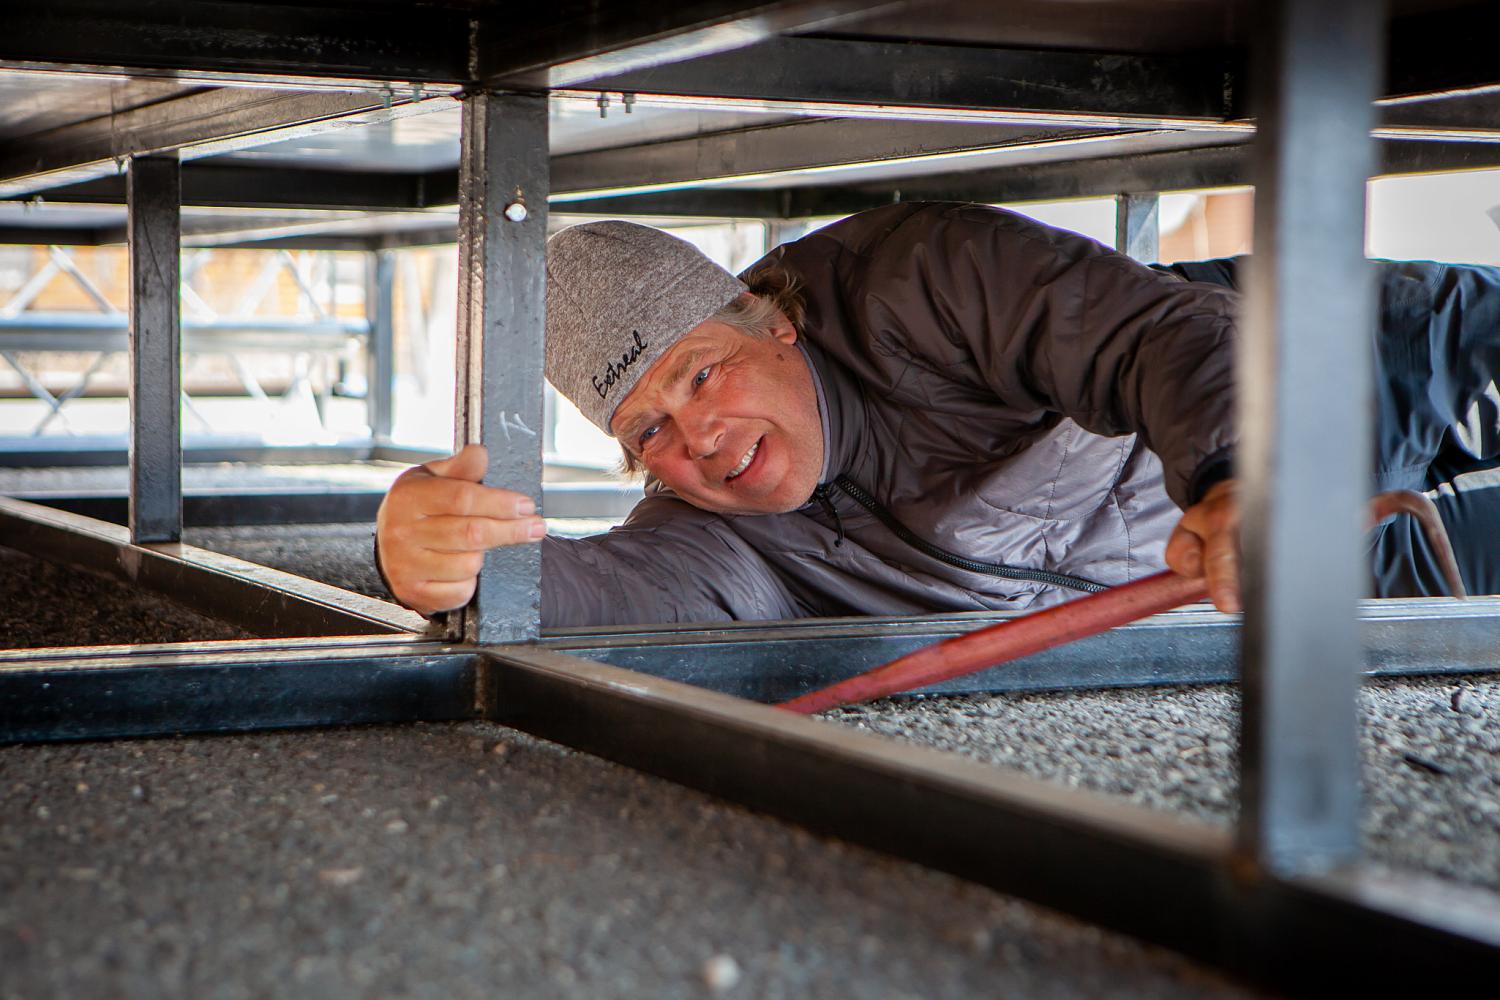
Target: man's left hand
x=1206, y=543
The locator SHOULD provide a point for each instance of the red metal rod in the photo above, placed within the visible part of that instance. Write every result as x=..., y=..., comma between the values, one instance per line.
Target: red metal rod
x=1009, y=640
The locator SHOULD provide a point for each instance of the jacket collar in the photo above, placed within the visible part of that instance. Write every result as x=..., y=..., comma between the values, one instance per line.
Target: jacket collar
x=841, y=411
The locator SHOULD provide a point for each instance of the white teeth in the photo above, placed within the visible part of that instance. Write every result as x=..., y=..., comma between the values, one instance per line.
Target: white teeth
x=744, y=462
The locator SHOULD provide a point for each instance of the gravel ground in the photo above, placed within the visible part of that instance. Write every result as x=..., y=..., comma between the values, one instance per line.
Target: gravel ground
x=1431, y=751
x=468, y=860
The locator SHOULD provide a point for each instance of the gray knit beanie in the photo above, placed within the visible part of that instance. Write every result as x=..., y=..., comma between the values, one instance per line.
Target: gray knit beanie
x=619, y=296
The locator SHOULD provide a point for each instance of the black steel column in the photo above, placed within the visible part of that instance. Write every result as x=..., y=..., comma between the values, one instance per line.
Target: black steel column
x=154, y=199
x=380, y=287
x=1138, y=226
x=1304, y=414
x=502, y=234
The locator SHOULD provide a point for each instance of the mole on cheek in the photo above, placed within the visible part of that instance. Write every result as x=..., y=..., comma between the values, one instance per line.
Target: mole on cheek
x=779, y=357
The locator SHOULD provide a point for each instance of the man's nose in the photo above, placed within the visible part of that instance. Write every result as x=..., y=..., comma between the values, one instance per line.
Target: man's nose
x=702, y=431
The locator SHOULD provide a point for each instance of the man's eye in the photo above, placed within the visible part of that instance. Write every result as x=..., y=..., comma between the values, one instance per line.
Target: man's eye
x=647, y=434
x=702, y=376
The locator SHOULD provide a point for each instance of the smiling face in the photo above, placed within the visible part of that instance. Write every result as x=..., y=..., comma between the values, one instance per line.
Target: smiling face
x=728, y=421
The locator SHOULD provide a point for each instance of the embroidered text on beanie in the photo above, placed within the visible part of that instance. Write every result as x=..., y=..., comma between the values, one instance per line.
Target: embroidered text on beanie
x=619, y=295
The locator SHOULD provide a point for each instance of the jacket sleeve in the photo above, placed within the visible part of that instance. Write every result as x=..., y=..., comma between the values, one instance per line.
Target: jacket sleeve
x=1052, y=322
x=669, y=562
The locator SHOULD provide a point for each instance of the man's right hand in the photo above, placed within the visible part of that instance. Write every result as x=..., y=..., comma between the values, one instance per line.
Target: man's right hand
x=437, y=522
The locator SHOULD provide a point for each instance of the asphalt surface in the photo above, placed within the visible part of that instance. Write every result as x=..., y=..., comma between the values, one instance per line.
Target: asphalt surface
x=466, y=860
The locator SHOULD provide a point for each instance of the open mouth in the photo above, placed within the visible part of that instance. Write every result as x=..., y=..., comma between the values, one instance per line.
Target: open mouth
x=735, y=472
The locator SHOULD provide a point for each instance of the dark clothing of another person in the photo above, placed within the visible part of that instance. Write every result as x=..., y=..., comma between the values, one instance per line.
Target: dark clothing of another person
x=1437, y=414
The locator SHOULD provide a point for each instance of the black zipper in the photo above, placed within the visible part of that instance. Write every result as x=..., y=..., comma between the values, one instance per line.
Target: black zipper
x=856, y=493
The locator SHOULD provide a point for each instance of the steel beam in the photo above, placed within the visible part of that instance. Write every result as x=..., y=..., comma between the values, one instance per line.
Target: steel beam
x=777, y=661
x=910, y=77
x=24, y=453
x=111, y=692
x=58, y=236
x=1138, y=226
x=263, y=601
x=502, y=235
x=212, y=40
x=786, y=150
x=298, y=505
x=442, y=44
x=202, y=123
x=223, y=508
x=155, y=351
x=584, y=41
x=217, y=184
x=380, y=349
x=1443, y=49
x=1170, y=881
x=1303, y=463
x=37, y=331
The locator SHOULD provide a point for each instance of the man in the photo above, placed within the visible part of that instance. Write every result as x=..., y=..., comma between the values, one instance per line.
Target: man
x=926, y=407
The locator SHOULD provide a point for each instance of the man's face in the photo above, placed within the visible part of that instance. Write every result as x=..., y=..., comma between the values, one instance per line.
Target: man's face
x=728, y=421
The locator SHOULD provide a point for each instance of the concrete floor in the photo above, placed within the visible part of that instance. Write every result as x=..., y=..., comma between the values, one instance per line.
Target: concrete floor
x=467, y=860
x=464, y=859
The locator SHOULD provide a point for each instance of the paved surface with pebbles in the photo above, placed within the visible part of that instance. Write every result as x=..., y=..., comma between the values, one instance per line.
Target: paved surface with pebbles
x=468, y=860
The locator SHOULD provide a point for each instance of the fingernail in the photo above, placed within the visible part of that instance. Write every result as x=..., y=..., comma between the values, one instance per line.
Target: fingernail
x=539, y=529
x=525, y=507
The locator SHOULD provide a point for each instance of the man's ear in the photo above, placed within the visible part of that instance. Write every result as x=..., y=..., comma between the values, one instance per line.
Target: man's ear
x=784, y=331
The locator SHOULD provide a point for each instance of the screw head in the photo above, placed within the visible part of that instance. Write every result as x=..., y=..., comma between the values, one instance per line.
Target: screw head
x=515, y=212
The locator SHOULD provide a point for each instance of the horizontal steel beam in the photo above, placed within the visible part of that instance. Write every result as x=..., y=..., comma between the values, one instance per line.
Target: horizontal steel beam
x=214, y=39
x=261, y=600
x=571, y=43
x=111, y=692
x=1170, y=881
x=201, y=123
x=802, y=147
x=1443, y=49
x=240, y=185
x=299, y=505
x=47, y=235
x=915, y=76
x=1430, y=54
x=443, y=43
x=776, y=661
x=79, y=452
x=222, y=508
x=1179, y=170
x=40, y=331
x=1060, y=164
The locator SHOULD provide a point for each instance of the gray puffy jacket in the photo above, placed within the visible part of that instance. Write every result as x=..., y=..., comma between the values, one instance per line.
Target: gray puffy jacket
x=1021, y=410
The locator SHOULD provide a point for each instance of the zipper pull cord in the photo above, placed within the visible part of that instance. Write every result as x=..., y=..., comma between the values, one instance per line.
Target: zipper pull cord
x=823, y=494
